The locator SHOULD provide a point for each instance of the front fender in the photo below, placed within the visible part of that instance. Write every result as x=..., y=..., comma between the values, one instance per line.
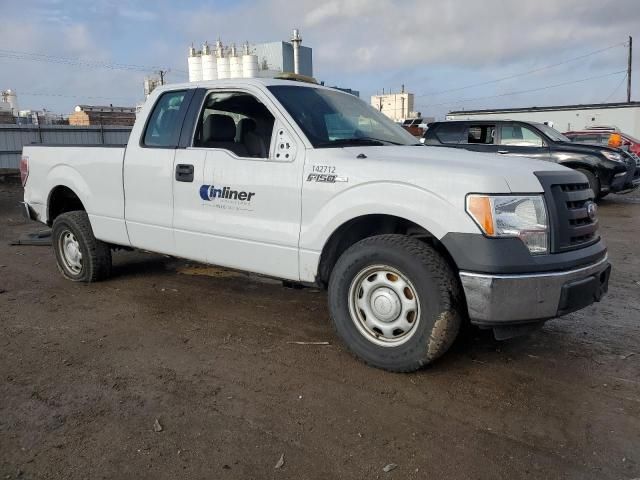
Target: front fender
x=577, y=160
x=425, y=208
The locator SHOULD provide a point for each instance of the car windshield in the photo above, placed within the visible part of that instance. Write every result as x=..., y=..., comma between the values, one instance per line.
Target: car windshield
x=552, y=133
x=335, y=119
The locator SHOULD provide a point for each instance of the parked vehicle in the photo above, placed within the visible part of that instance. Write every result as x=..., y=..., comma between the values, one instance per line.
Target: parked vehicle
x=415, y=126
x=611, y=137
x=607, y=169
x=312, y=185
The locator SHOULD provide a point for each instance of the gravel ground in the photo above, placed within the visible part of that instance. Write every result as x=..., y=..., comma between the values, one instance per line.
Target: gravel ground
x=169, y=370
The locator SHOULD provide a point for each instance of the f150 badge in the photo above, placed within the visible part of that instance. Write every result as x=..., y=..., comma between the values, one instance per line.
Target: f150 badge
x=325, y=178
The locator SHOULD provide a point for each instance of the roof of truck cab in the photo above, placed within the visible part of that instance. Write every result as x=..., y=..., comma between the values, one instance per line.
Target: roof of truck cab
x=237, y=82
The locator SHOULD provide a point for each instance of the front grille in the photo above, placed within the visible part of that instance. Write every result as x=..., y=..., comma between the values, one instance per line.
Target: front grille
x=567, y=196
x=631, y=159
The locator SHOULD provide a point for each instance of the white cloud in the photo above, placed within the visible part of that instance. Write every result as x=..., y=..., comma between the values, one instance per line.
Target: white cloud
x=365, y=44
x=359, y=35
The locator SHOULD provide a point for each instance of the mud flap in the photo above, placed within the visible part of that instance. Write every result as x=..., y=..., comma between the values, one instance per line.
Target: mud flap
x=511, y=331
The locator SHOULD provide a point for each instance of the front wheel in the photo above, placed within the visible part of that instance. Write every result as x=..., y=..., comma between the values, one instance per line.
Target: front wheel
x=395, y=302
x=80, y=256
x=594, y=183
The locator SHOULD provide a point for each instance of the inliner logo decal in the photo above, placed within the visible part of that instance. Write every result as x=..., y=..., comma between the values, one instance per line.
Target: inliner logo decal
x=211, y=193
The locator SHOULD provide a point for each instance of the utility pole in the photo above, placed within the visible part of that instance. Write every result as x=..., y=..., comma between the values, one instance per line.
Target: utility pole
x=162, y=74
x=629, y=69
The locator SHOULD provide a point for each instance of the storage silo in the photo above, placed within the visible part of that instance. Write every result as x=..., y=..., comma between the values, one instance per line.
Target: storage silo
x=209, y=64
x=249, y=63
x=195, y=65
x=222, y=62
x=235, y=63
x=12, y=99
x=296, y=40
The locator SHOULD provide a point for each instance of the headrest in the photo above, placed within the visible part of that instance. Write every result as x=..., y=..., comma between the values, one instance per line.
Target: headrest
x=219, y=128
x=247, y=125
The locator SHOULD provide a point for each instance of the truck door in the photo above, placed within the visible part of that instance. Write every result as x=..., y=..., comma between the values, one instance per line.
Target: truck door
x=148, y=172
x=519, y=140
x=242, y=209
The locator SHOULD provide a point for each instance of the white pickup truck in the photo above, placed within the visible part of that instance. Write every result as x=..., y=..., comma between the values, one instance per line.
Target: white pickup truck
x=311, y=185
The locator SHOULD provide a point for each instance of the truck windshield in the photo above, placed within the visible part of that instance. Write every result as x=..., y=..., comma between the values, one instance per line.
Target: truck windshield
x=552, y=133
x=335, y=119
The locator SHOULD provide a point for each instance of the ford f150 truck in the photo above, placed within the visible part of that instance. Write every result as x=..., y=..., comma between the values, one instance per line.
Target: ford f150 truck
x=309, y=184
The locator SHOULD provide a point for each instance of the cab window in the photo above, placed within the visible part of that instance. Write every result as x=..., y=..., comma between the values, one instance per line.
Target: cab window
x=237, y=122
x=483, y=134
x=450, y=132
x=590, y=139
x=519, y=136
x=165, y=122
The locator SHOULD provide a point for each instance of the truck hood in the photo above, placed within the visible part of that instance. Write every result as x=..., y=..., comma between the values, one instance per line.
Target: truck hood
x=584, y=149
x=480, y=172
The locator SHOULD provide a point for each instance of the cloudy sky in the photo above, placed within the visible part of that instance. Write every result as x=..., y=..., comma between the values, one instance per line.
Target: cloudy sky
x=436, y=48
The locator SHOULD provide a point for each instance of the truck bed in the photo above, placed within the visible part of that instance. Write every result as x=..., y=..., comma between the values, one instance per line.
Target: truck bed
x=94, y=173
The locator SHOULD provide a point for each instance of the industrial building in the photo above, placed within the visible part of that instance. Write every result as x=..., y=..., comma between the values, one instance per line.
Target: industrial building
x=8, y=106
x=397, y=106
x=85, y=115
x=260, y=60
x=6, y=116
x=39, y=117
x=625, y=116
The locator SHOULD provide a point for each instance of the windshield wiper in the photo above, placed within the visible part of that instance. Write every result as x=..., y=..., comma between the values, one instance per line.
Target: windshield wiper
x=381, y=140
x=345, y=142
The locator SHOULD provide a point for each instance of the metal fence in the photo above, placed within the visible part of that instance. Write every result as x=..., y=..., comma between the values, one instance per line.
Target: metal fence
x=14, y=137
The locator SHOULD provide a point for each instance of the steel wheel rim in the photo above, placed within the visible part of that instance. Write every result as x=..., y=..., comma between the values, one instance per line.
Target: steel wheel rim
x=384, y=305
x=70, y=252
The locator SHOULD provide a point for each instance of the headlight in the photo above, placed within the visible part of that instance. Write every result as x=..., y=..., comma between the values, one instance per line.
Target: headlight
x=524, y=217
x=613, y=156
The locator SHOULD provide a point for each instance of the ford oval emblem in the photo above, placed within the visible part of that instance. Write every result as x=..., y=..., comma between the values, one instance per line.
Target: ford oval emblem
x=592, y=210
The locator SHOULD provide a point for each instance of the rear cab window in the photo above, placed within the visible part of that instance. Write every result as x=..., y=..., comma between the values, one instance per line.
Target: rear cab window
x=590, y=139
x=165, y=122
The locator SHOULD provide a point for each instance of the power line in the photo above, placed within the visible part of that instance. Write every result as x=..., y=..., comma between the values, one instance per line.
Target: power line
x=454, y=102
x=92, y=97
x=528, y=72
x=39, y=57
x=615, y=89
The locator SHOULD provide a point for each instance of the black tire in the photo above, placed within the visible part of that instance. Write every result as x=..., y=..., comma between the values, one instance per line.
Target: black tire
x=95, y=261
x=594, y=183
x=438, y=295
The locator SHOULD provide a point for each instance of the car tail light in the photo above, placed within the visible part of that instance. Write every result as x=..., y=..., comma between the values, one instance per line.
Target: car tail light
x=24, y=169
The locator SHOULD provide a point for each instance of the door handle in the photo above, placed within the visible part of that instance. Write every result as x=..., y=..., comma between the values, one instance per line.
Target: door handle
x=502, y=152
x=184, y=173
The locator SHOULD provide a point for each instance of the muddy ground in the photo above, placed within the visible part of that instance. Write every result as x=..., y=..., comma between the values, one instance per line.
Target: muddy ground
x=85, y=371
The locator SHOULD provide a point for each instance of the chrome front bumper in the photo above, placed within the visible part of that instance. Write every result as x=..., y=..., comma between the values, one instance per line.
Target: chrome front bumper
x=495, y=300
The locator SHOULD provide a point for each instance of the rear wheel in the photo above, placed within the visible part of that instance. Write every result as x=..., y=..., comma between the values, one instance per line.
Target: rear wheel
x=395, y=302
x=80, y=256
x=594, y=182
